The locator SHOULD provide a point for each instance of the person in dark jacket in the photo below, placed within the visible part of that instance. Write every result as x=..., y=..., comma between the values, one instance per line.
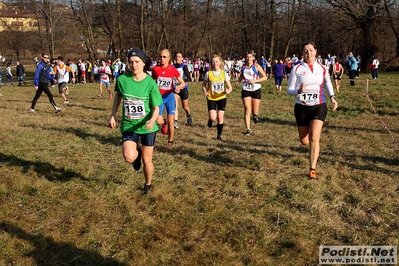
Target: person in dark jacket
x=20, y=73
x=41, y=80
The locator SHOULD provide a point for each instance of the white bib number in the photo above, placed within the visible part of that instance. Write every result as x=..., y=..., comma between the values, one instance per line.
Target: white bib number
x=250, y=87
x=218, y=87
x=164, y=83
x=134, y=109
x=310, y=98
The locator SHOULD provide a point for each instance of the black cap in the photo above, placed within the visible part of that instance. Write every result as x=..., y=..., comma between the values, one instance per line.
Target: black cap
x=139, y=53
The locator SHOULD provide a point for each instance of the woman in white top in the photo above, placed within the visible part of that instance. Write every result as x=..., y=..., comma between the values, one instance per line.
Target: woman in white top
x=251, y=76
x=306, y=82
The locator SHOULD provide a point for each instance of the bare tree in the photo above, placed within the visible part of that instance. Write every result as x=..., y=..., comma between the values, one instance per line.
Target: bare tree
x=273, y=19
x=79, y=9
x=388, y=4
x=295, y=9
x=205, y=28
x=364, y=14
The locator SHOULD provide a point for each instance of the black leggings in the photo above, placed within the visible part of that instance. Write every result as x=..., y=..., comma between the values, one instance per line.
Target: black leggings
x=43, y=87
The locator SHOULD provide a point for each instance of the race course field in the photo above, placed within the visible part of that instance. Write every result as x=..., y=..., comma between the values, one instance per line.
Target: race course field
x=67, y=197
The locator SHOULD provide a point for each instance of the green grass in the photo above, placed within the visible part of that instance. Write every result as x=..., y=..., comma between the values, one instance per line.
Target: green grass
x=68, y=198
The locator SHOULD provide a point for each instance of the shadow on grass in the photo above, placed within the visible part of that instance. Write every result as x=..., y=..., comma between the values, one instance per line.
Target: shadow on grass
x=369, y=162
x=101, y=138
x=265, y=120
x=348, y=130
x=48, y=252
x=70, y=105
x=81, y=133
x=44, y=169
x=218, y=152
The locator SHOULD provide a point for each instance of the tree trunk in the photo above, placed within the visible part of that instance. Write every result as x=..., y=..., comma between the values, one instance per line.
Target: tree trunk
x=293, y=17
x=273, y=15
x=207, y=21
x=391, y=22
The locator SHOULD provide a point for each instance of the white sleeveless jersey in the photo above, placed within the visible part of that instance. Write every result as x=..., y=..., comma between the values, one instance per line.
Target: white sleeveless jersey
x=63, y=74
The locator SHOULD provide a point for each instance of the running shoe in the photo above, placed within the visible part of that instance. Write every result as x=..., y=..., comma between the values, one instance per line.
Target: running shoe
x=248, y=132
x=66, y=102
x=219, y=137
x=137, y=162
x=32, y=111
x=312, y=174
x=256, y=119
x=209, y=123
x=110, y=96
x=58, y=110
x=146, y=189
x=176, y=124
x=170, y=143
x=100, y=96
x=189, y=120
x=164, y=129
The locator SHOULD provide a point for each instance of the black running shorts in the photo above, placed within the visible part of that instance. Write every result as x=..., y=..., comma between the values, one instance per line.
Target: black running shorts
x=220, y=104
x=183, y=94
x=304, y=114
x=253, y=94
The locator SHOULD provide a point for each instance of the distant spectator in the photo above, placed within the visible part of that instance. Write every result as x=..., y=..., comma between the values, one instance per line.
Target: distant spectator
x=358, y=60
x=9, y=75
x=352, y=68
x=279, y=74
x=375, y=63
x=20, y=73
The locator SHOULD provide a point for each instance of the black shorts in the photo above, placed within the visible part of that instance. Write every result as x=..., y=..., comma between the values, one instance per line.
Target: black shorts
x=217, y=105
x=337, y=77
x=183, y=94
x=146, y=139
x=61, y=87
x=304, y=114
x=253, y=94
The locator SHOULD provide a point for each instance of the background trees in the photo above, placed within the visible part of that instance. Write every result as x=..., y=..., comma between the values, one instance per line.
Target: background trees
x=274, y=28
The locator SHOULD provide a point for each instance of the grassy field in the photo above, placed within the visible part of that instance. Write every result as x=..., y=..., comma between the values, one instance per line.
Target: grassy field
x=68, y=198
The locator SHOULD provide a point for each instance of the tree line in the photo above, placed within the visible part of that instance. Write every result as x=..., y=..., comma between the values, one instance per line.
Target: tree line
x=273, y=28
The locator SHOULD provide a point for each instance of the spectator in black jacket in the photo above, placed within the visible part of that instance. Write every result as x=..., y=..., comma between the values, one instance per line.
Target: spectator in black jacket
x=20, y=73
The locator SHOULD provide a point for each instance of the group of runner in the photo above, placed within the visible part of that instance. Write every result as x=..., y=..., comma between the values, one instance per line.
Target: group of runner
x=144, y=98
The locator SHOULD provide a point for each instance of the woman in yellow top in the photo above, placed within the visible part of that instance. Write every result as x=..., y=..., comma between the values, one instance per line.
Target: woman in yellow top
x=215, y=86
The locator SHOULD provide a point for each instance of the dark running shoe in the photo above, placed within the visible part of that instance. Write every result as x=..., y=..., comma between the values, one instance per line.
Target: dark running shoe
x=189, y=120
x=137, y=162
x=146, y=189
x=248, y=132
x=209, y=123
x=256, y=119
